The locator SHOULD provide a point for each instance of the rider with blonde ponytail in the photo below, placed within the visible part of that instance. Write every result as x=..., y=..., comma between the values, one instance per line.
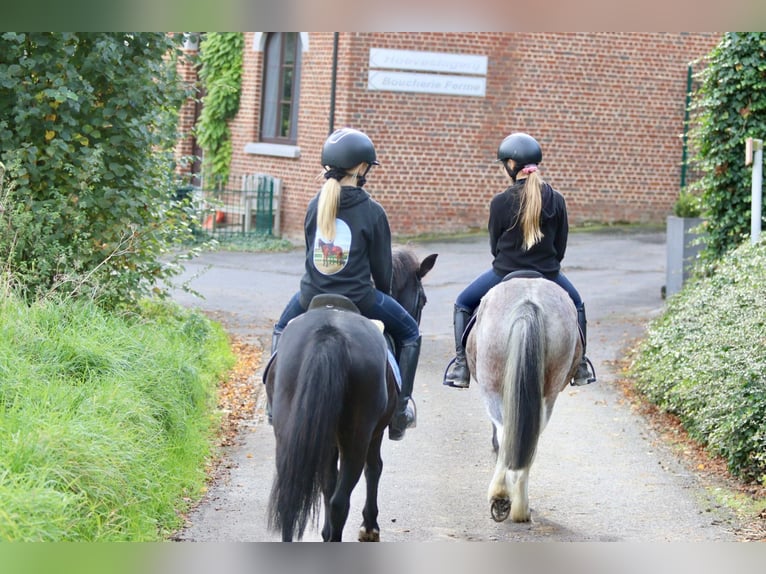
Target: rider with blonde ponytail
x=348, y=252
x=528, y=229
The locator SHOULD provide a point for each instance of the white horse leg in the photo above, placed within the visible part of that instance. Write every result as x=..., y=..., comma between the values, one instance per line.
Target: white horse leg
x=498, y=494
x=520, y=494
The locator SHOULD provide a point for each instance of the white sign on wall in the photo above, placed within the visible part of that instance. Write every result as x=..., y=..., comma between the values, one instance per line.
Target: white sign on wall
x=426, y=83
x=382, y=76
x=428, y=61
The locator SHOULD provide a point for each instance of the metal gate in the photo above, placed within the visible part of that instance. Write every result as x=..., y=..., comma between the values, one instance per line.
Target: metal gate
x=251, y=210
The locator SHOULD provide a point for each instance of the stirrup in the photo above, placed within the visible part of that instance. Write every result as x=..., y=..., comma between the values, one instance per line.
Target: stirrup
x=450, y=383
x=395, y=433
x=589, y=379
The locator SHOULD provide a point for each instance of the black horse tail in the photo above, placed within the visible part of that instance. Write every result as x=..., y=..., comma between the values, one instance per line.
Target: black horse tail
x=523, y=386
x=307, y=442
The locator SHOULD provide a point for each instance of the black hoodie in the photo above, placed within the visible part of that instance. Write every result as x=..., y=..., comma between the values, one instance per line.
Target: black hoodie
x=358, y=260
x=507, y=241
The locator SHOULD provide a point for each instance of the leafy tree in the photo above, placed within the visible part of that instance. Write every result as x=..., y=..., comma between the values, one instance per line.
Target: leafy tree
x=87, y=131
x=732, y=107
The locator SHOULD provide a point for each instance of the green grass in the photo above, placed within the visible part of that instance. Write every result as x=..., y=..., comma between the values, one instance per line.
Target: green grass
x=704, y=360
x=106, y=421
x=250, y=243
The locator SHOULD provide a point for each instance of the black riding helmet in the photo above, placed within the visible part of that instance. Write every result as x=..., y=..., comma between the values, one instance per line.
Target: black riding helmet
x=522, y=149
x=347, y=148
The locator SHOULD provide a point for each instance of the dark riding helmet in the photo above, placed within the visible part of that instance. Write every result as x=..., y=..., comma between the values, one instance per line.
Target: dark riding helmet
x=346, y=148
x=521, y=148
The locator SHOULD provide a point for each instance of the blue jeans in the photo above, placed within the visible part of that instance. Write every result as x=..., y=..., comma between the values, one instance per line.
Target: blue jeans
x=471, y=296
x=397, y=321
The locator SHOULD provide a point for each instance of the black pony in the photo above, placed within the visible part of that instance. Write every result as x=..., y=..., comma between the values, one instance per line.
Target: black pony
x=333, y=394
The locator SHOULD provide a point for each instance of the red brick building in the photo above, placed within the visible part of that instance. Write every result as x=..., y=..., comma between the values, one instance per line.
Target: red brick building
x=607, y=108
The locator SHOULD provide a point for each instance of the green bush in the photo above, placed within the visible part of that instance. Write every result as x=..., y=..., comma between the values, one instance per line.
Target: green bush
x=687, y=205
x=105, y=420
x=704, y=360
x=88, y=127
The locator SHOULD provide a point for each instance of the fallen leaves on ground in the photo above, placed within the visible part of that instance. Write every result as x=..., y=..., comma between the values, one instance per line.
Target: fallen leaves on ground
x=238, y=392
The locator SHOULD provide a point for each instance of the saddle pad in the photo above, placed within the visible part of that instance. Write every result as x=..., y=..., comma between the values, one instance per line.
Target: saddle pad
x=395, y=370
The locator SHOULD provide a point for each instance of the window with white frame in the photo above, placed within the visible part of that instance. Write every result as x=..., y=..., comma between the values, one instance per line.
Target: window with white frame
x=281, y=88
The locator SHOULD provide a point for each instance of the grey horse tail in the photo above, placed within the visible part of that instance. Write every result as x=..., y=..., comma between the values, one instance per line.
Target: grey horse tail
x=523, y=387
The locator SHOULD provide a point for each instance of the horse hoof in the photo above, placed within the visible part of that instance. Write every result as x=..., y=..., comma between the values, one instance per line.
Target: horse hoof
x=523, y=518
x=369, y=535
x=500, y=509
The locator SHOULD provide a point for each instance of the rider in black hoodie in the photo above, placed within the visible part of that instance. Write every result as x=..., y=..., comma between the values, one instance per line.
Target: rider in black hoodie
x=348, y=252
x=528, y=230
x=366, y=251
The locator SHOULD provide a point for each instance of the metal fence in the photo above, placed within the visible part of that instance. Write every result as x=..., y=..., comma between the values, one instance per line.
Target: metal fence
x=251, y=210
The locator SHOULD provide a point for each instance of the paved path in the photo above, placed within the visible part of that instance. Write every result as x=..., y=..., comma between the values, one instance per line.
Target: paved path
x=600, y=475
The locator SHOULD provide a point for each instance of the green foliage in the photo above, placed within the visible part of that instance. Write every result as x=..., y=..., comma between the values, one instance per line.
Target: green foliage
x=704, y=360
x=732, y=107
x=105, y=423
x=687, y=205
x=87, y=134
x=221, y=54
x=252, y=243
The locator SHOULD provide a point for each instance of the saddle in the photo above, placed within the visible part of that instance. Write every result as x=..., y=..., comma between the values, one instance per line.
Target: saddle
x=340, y=302
x=343, y=303
x=333, y=301
x=523, y=274
x=519, y=274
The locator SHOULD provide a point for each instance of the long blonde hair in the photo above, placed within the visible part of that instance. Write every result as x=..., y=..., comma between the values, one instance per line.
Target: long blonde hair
x=329, y=201
x=530, y=208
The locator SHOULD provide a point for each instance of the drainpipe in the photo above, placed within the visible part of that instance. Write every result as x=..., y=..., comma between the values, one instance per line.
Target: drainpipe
x=334, y=81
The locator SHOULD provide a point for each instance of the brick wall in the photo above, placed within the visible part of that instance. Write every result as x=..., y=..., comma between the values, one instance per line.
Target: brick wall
x=607, y=108
x=187, y=116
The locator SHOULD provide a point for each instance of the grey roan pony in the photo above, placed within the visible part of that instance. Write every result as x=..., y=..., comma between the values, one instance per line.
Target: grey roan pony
x=522, y=352
x=333, y=395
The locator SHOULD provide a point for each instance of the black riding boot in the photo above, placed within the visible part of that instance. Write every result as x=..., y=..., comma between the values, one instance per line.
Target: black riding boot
x=404, y=415
x=585, y=374
x=457, y=374
x=275, y=335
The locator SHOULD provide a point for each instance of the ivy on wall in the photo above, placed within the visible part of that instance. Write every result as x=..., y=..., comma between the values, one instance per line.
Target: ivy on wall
x=221, y=56
x=732, y=107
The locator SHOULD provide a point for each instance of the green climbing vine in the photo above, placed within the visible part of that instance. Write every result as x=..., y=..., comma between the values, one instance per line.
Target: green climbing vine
x=732, y=107
x=221, y=74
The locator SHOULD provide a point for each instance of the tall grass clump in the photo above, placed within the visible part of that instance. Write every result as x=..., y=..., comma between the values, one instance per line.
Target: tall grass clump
x=105, y=419
x=704, y=360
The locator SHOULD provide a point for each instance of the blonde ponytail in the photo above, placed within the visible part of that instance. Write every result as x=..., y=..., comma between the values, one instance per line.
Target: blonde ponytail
x=530, y=210
x=327, y=210
x=329, y=201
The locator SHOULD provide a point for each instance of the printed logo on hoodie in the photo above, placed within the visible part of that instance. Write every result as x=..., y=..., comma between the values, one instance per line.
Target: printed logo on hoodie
x=330, y=256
